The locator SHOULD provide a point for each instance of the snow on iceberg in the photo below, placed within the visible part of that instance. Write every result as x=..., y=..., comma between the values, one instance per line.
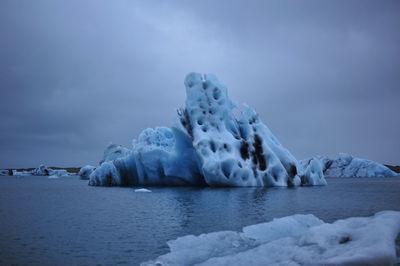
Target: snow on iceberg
x=206, y=146
x=348, y=166
x=292, y=240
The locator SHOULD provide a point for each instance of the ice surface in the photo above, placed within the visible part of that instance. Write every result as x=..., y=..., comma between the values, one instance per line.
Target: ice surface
x=232, y=152
x=142, y=190
x=165, y=156
x=207, y=146
x=85, y=171
x=314, y=173
x=348, y=166
x=293, y=240
x=114, y=151
x=160, y=156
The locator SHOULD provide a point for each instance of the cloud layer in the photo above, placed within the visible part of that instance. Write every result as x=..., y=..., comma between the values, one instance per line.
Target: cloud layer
x=75, y=75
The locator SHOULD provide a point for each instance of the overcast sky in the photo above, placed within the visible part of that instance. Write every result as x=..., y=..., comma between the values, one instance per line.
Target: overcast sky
x=75, y=75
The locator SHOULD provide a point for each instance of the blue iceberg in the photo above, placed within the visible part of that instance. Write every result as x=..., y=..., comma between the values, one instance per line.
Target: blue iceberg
x=206, y=146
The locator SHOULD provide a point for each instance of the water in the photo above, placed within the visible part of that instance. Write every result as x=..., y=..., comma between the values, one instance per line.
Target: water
x=65, y=222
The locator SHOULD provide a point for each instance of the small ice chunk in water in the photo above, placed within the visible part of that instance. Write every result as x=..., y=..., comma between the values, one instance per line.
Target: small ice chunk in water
x=142, y=190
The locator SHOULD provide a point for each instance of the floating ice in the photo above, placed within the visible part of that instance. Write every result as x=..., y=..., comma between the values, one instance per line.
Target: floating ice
x=4, y=172
x=348, y=166
x=21, y=173
x=293, y=240
x=207, y=146
x=42, y=170
x=142, y=190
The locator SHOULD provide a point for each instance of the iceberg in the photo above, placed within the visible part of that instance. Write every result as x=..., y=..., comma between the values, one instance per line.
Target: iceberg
x=346, y=165
x=206, y=146
x=21, y=173
x=42, y=170
x=292, y=240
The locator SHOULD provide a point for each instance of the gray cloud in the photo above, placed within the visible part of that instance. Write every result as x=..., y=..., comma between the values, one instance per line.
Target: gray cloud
x=75, y=75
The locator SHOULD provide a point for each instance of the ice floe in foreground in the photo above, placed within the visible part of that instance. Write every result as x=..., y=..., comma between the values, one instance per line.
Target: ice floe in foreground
x=293, y=240
x=346, y=165
x=207, y=145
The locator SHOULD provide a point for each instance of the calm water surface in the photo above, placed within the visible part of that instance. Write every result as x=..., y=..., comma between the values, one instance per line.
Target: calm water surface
x=65, y=222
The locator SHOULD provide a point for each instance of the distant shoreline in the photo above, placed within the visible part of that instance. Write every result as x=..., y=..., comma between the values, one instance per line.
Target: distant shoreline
x=394, y=168
x=75, y=170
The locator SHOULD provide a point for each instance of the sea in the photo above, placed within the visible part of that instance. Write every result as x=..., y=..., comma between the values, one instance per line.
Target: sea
x=64, y=221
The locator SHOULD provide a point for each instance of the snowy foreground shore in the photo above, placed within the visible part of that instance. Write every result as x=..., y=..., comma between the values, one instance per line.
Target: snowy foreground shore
x=293, y=240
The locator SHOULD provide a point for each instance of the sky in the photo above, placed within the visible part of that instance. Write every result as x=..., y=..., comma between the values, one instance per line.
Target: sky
x=324, y=76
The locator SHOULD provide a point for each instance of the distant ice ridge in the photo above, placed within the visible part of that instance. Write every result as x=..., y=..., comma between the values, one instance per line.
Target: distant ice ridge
x=42, y=170
x=292, y=240
x=207, y=145
x=348, y=166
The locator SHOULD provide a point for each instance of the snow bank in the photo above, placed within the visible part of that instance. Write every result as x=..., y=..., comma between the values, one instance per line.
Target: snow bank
x=206, y=146
x=293, y=240
x=348, y=166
